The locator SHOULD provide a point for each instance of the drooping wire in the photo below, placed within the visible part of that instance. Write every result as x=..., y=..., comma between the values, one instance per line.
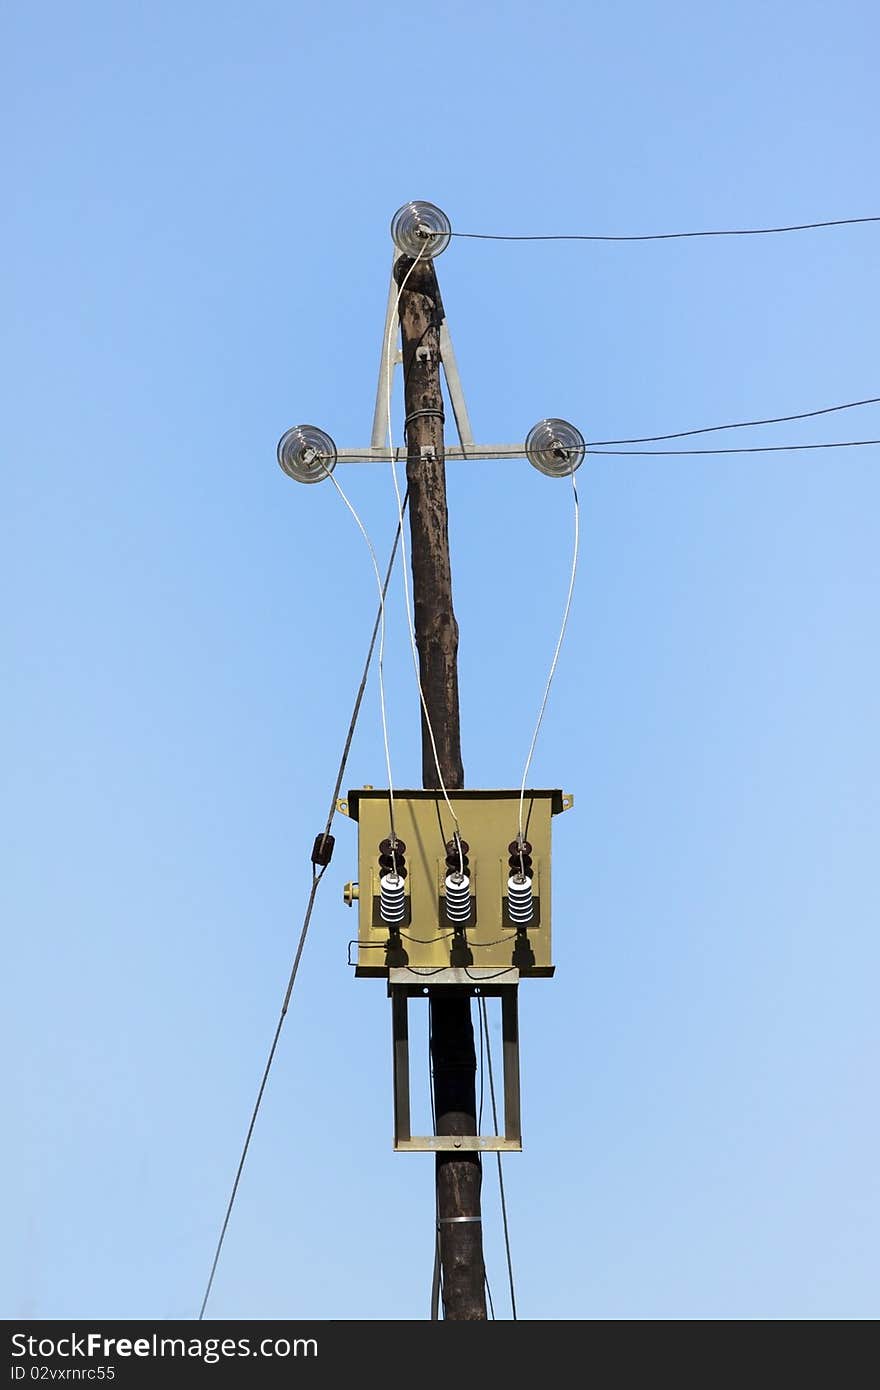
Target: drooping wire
x=485, y=1025
x=489, y=1292
x=482, y=1078
x=316, y=879
x=437, y=1277
x=480, y=1156
x=668, y=236
x=554, y=662
x=475, y=452
x=409, y=616
x=380, y=665
x=738, y=425
x=754, y=449
x=514, y=453
x=363, y=681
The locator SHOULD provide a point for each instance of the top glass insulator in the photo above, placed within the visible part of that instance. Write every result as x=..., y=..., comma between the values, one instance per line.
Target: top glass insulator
x=421, y=229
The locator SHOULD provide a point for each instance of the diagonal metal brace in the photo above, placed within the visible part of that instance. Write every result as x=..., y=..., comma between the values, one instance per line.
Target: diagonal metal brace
x=392, y=357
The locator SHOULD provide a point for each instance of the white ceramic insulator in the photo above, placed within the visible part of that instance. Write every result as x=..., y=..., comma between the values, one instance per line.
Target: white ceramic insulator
x=392, y=899
x=520, y=903
x=458, y=897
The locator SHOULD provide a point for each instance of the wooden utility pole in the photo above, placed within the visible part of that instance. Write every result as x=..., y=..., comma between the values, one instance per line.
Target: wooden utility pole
x=458, y=1176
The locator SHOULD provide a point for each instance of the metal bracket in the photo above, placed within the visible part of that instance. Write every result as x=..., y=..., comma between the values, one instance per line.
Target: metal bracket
x=389, y=360
x=406, y=983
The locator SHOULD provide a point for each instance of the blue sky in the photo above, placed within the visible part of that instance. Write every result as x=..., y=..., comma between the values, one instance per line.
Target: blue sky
x=197, y=253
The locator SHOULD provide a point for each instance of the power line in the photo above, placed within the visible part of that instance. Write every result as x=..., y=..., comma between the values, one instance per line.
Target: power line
x=475, y=452
x=363, y=681
x=756, y=449
x=553, y=664
x=380, y=666
x=489, y=1294
x=437, y=1276
x=598, y=446
x=485, y=1024
x=482, y=1075
x=316, y=879
x=319, y=849
x=739, y=424
x=667, y=236
x=480, y=1156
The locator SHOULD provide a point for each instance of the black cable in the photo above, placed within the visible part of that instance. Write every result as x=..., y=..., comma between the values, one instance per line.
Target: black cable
x=479, y=1155
x=316, y=879
x=756, y=449
x=738, y=425
x=440, y=823
x=485, y=1022
x=363, y=685
x=437, y=1277
x=489, y=1293
x=431, y=1075
x=668, y=236
x=429, y=941
x=482, y=1081
x=598, y=445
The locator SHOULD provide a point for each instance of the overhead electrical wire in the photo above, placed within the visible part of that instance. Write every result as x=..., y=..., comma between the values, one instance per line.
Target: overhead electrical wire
x=598, y=446
x=437, y=1276
x=736, y=425
x=476, y=453
x=554, y=662
x=754, y=449
x=484, y=1023
x=316, y=879
x=317, y=876
x=665, y=236
x=380, y=665
x=364, y=674
x=479, y=1155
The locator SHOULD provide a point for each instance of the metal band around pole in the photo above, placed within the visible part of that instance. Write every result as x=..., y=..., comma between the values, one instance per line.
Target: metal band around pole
x=420, y=414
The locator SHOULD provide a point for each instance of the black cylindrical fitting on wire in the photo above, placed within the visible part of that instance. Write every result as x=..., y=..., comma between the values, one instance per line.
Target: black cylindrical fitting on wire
x=392, y=857
x=322, y=850
x=520, y=860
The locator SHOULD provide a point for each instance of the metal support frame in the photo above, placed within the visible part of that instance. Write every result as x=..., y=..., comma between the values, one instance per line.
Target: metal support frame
x=452, y=451
x=379, y=451
x=405, y=984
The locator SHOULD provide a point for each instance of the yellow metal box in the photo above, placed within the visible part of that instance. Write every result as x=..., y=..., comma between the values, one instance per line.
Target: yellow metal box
x=426, y=938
